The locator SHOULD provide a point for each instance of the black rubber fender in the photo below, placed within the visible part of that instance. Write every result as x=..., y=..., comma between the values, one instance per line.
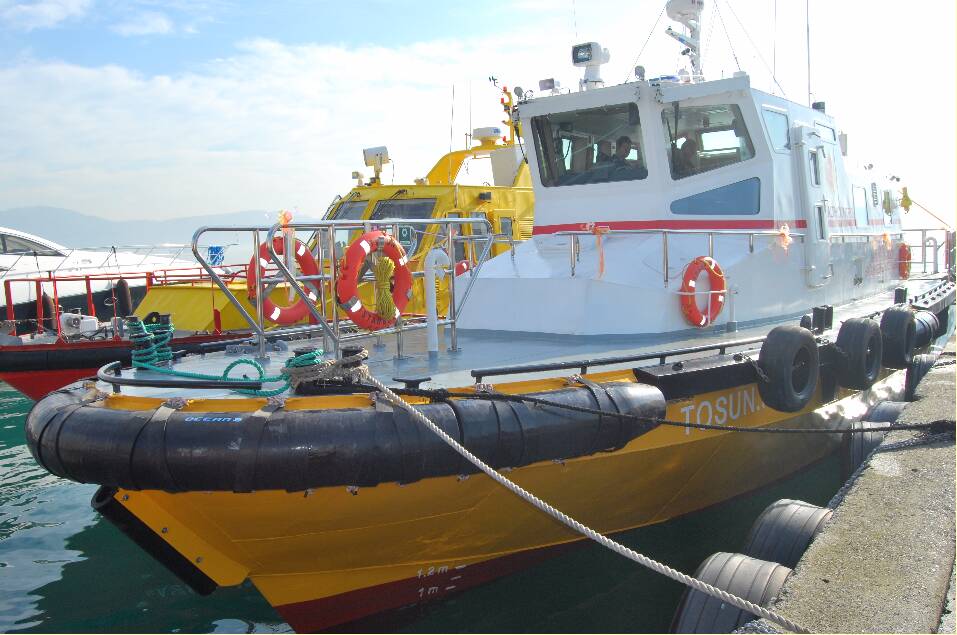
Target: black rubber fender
x=791, y=361
x=784, y=531
x=860, y=343
x=757, y=581
x=900, y=336
x=124, y=300
x=927, y=326
x=918, y=367
x=884, y=411
x=859, y=445
x=49, y=313
x=296, y=450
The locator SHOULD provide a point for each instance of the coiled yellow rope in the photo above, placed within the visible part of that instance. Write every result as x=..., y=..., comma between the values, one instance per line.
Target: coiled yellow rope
x=384, y=305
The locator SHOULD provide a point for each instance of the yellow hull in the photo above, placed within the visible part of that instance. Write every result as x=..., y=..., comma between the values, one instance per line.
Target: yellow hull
x=310, y=552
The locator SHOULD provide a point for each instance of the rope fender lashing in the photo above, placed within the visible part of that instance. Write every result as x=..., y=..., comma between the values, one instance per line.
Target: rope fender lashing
x=442, y=394
x=570, y=522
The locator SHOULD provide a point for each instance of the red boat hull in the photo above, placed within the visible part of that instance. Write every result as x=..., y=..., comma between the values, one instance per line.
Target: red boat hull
x=37, y=383
x=38, y=369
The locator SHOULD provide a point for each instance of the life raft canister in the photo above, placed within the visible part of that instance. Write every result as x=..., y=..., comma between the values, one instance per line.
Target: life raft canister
x=903, y=261
x=307, y=264
x=347, y=287
x=689, y=304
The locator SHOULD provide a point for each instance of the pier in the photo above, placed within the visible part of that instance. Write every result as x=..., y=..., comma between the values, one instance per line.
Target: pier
x=884, y=563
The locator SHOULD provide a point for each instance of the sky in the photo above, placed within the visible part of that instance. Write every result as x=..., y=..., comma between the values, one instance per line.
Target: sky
x=148, y=108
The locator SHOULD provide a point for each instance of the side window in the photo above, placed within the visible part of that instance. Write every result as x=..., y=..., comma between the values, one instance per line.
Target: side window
x=777, y=123
x=595, y=145
x=821, y=222
x=815, y=167
x=505, y=222
x=827, y=132
x=860, y=206
x=703, y=138
x=17, y=246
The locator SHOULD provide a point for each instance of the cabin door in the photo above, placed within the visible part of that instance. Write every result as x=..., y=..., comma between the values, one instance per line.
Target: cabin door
x=815, y=197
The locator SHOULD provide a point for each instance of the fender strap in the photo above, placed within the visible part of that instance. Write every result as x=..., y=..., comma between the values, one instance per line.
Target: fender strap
x=160, y=416
x=249, y=444
x=601, y=394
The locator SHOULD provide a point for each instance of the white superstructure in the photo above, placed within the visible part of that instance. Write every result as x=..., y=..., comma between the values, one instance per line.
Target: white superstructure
x=633, y=182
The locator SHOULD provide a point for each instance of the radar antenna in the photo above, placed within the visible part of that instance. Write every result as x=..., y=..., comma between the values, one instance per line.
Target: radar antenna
x=688, y=14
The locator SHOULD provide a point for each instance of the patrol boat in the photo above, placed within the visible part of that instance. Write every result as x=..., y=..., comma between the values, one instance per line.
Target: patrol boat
x=702, y=258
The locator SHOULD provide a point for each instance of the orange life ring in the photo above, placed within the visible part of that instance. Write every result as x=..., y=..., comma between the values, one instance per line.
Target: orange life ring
x=347, y=288
x=689, y=304
x=903, y=261
x=272, y=311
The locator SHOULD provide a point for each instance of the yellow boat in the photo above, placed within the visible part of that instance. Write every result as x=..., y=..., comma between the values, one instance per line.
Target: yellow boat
x=505, y=201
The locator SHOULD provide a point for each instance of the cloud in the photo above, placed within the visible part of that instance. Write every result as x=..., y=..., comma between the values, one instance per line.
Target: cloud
x=145, y=23
x=41, y=14
x=274, y=126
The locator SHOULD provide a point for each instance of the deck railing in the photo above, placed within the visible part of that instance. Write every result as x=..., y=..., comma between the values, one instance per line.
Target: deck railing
x=322, y=243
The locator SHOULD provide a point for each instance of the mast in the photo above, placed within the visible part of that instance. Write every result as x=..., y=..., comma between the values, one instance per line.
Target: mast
x=688, y=14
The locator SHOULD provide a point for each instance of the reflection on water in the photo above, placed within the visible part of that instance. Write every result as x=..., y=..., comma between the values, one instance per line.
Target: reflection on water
x=62, y=569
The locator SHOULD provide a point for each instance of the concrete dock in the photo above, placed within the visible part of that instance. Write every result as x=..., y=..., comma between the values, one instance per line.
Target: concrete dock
x=884, y=563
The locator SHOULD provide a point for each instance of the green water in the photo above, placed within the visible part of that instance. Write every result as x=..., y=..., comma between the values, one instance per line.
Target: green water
x=62, y=569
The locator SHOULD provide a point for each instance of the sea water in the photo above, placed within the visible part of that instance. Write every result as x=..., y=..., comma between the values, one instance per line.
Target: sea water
x=65, y=569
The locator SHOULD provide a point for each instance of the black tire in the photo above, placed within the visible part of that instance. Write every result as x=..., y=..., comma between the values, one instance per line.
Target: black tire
x=900, y=335
x=916, y=370
x=860, y=444
x=124, y=301
x=790, y=360
x=757, y=581
x=860, y=341
x=784, y=530
x=884, y=411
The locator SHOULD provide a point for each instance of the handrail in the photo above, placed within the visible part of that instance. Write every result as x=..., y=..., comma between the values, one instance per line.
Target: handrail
x=574, y=248
x=585, y=364
x=330, y=274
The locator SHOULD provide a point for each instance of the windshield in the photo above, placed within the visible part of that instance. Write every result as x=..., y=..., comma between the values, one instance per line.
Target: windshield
x=595, y=145
x=15, y=246
x=702, y=138
x=404, y=208
x=350, y=210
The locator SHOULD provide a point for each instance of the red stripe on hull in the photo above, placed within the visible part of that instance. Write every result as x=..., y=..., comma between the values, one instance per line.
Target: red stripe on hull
x=346, y=610
x=672, y=224
x=38, y=383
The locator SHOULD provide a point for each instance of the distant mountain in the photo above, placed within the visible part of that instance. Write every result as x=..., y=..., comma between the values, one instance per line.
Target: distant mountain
x=73, y=229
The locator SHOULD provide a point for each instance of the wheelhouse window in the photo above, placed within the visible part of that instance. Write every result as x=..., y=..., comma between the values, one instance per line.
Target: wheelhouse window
x=815, y=167
x=595, y=145
x=704, y=138
x=827, y=132
x=777, y=123
x=350, y=210
x=410, y=208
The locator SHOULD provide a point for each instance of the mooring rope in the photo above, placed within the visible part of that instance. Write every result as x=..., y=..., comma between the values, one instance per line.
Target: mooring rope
x=570, y=522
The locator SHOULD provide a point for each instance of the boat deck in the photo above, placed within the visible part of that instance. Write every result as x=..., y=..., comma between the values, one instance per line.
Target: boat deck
x=491, y=349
